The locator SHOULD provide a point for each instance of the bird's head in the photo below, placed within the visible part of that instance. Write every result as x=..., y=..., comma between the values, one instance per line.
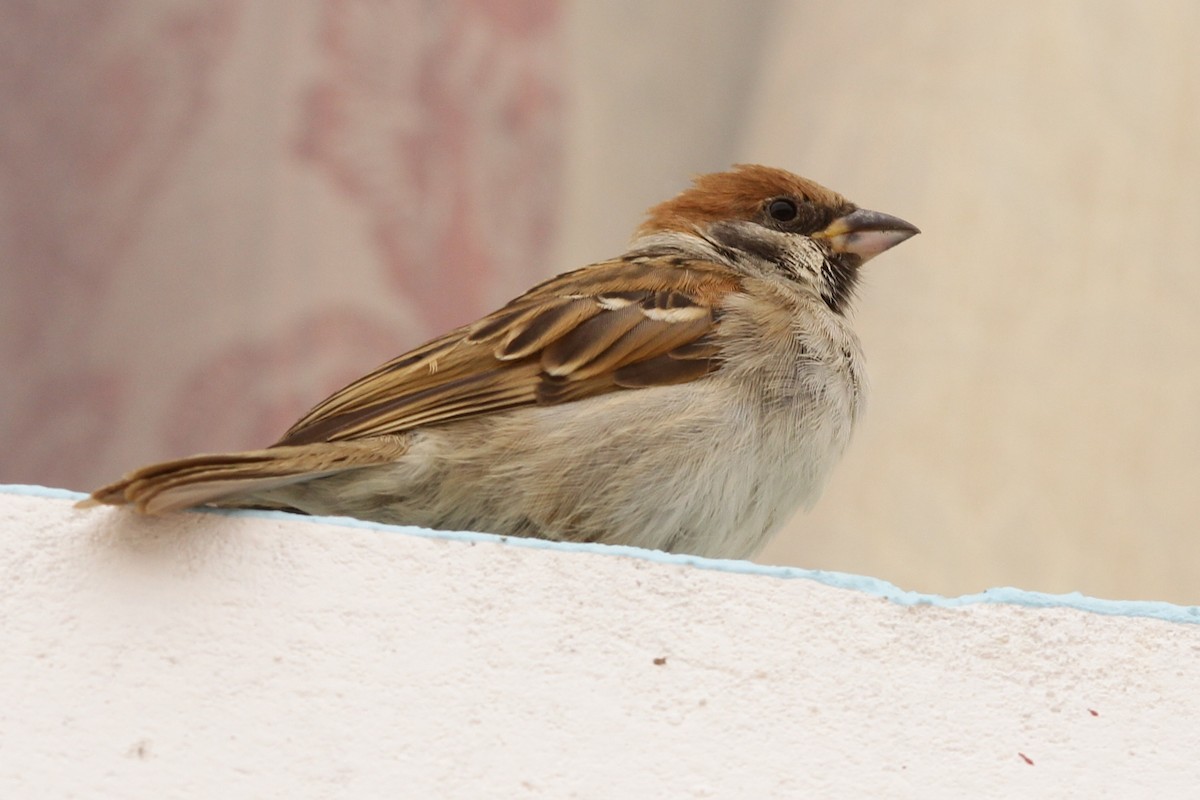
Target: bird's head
x=764, y=218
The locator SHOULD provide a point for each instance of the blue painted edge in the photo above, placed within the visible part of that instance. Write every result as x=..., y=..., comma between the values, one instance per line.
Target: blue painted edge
x=1167, y=612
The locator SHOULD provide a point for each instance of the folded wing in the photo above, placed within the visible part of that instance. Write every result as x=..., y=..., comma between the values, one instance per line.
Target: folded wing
x=611, y=326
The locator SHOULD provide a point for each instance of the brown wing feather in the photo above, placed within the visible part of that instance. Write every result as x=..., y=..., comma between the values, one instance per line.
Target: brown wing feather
x=615, y=325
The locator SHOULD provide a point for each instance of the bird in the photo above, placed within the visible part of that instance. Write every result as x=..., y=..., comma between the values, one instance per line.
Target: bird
x=689, y=395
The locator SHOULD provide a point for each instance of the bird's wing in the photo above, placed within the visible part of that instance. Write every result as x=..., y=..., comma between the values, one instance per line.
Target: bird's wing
x=622, y=324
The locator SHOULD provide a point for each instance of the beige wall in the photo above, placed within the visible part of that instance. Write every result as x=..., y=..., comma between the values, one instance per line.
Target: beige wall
x=1034, y=354
x=212, y=213
x=215, y=212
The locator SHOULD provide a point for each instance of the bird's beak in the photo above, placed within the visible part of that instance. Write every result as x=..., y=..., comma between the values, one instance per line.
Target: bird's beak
x=865, y=233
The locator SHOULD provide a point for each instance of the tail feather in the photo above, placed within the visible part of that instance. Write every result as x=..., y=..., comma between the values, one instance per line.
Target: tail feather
x=199, y=480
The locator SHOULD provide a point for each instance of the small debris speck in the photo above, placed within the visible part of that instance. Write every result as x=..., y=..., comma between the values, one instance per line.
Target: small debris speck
x=1026, y=759
x=658, y=662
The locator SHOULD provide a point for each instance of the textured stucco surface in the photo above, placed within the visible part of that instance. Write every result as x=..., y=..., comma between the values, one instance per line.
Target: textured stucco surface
x=208, y=655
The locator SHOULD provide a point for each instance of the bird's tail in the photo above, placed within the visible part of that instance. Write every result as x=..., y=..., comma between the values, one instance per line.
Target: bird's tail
x=204, y=479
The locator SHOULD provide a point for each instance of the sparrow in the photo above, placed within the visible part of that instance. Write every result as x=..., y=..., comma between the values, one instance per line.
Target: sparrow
x=687, y=396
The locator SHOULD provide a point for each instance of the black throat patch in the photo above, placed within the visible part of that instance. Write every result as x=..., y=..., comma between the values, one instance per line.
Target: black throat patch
x=839, y=273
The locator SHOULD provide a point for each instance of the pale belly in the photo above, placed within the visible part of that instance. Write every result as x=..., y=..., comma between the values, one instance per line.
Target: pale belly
x=698, y=468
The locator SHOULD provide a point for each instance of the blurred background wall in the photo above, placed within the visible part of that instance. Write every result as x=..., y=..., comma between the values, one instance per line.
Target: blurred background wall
x=213, y=212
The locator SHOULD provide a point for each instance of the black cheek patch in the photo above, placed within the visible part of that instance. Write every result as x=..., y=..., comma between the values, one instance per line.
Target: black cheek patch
x=734, y=238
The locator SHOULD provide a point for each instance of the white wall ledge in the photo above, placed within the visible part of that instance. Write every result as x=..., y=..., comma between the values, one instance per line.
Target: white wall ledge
x=265, y=654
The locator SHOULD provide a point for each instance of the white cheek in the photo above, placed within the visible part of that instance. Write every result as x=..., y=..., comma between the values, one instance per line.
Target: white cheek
x=807, y=257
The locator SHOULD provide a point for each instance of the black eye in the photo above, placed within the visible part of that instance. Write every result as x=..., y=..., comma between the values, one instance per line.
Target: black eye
x=782, y=209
